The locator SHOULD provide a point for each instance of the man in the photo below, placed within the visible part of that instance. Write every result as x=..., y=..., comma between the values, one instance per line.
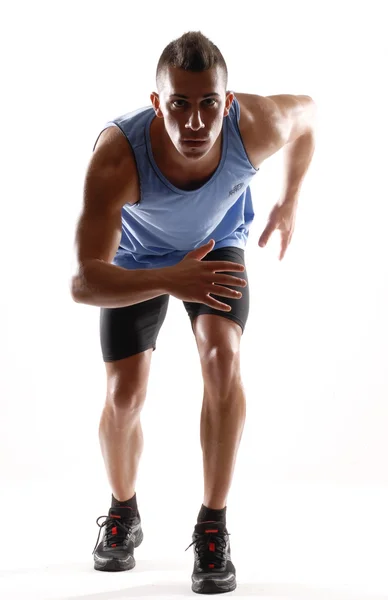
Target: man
x=167, y=210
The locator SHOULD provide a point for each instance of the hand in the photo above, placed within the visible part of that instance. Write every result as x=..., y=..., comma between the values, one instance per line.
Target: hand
x=282, y=217
x=193, y=280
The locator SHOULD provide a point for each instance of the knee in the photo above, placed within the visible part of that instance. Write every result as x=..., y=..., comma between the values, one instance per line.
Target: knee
x=131, y=405
x=128, y=399
x=220, y=362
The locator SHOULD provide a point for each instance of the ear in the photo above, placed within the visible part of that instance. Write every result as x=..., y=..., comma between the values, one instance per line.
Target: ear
x=228, y=103
x=156, y=104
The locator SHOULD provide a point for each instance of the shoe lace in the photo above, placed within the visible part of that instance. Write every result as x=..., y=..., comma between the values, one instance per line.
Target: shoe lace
x=112, y=533
x=210, y=549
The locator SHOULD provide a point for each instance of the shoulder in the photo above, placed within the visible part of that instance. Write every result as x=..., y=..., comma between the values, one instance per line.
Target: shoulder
x=260, y=126
x=113, y=153
x=253, y=106
x=113, y=145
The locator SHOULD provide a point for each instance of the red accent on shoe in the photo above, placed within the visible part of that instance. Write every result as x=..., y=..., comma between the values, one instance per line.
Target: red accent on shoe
x=114, y=545
x=211, y=566
x=114, y=530
x=212, y=547
x=116, y=516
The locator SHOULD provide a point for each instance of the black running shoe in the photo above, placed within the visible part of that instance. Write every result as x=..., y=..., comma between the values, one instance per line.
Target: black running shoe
x=214, y=572
x=123, y=533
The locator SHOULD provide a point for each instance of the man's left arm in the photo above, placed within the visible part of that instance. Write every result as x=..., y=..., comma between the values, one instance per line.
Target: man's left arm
x=295, y=118
x=297, y=128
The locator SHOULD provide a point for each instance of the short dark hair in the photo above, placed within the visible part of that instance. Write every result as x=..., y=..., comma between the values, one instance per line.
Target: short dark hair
x=193, y=51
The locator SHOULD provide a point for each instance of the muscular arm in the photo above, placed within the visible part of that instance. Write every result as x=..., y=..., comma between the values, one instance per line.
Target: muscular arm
x=110, y=182
x=101, y=284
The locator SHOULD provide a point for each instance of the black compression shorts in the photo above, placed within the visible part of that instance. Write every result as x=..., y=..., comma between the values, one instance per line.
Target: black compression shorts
x=132, y=329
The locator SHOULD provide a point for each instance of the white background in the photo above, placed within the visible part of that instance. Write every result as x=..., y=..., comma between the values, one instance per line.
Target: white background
x=308, y=505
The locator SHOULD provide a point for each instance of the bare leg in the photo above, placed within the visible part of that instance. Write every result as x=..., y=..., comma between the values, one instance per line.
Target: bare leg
x=121, y=441
x=222, y=423
x=224, y=405
x=120, y=431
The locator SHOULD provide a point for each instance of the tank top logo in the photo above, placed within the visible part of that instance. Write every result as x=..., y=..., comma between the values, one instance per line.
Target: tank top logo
x=236, y=188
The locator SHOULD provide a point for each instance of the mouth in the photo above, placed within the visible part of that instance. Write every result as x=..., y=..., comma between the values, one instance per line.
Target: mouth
x=194, y=142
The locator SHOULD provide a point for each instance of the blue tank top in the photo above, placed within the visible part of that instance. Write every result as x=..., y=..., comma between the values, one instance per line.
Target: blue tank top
x=167, y=222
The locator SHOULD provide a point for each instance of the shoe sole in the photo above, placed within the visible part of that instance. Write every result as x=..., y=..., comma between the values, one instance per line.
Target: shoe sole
x=209, y=586
x=114, y=564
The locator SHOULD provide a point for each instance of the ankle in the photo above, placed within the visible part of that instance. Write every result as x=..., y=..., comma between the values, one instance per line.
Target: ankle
x=211, y=514
x=131, y=503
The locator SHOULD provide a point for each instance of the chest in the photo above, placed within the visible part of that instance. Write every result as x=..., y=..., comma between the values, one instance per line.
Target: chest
x=189, y=181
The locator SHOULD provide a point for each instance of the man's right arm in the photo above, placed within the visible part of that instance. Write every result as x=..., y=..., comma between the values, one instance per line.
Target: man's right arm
x=111, y=181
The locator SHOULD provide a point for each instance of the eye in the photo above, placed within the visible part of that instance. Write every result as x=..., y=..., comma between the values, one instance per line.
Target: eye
x=174, y=104
x=208, y=102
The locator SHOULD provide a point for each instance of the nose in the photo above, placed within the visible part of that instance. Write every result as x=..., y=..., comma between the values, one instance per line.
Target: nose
x=195, y=122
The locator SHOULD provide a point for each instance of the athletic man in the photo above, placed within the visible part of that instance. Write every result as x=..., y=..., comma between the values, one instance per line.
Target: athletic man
x=167, y=210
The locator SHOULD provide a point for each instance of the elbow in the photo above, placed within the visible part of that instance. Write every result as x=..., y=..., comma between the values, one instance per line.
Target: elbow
x=79, y=285
x=75, y=288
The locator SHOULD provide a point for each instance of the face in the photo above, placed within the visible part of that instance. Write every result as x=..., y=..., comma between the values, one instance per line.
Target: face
x=193, y=106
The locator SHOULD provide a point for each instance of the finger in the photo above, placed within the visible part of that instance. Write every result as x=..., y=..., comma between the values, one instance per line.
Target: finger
x=266, y=234
x=220, y=290
x=285, y=243
x=218, y=305
x=199, y=253
x=229, y=280
x=217, y=267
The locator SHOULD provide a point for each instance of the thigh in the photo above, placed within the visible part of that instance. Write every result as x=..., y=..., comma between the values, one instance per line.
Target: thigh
x=239, y=306
x=127, y=380
x=131, y=329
